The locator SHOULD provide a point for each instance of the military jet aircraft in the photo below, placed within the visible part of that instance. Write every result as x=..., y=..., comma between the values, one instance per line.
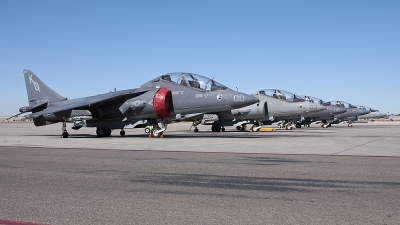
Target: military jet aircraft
x=154, y=104
x=351, y=114
x=372, y=114
x=274, y=105
x=325, y=117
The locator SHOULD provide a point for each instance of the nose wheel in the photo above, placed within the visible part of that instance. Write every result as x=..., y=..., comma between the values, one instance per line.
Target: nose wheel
x=158, y=131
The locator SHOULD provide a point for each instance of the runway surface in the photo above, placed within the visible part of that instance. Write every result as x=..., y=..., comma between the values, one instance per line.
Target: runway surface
x=338, y=175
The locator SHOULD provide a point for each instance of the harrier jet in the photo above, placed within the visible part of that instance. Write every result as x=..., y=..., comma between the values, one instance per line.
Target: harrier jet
x=325, y=117
x=274, y=105
x=154, y=104
x=372, y=114
x=351, y=114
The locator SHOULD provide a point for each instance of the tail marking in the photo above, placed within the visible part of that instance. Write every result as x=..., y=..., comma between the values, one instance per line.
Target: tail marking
x=35, y=84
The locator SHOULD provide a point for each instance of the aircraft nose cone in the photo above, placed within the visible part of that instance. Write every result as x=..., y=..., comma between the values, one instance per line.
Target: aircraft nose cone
x=240, y=100
x=312, y=107
x=364, y=111
x=320, y=108
x=342, y=110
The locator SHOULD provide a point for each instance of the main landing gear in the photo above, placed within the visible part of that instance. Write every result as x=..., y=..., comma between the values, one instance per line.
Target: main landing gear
x=103, y=132
x=241, y=127
x=217, y=128
x=287, y=125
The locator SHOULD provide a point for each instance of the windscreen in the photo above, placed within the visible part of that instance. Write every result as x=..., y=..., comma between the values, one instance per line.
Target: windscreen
x=280, y=94
x=193, y=80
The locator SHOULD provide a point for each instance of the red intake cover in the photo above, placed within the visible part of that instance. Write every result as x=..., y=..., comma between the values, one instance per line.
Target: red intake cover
x=161, y=102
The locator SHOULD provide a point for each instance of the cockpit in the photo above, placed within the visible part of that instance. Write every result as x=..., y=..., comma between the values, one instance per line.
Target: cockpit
x=314, y=100
x=343, y=104
x=191, y=80
x=369, y=109
x=279, y=94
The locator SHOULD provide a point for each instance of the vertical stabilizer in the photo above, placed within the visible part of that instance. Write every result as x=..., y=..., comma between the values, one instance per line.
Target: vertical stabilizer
x=39, y=92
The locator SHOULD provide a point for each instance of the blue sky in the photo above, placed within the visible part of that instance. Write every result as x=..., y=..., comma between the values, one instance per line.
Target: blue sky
x=333, y=50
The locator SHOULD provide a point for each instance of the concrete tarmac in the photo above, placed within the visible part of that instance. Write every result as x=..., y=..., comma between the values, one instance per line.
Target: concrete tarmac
x=338, y=175
x=372, y=139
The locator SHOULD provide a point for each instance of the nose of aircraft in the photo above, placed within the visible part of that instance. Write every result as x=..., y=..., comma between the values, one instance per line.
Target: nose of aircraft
x=312, y=107
x=319, y=108
x=240, y=100
x=363, y=111
x=341, y=110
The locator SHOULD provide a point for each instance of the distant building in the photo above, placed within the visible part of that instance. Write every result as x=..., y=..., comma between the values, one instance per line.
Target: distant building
x=7, y=119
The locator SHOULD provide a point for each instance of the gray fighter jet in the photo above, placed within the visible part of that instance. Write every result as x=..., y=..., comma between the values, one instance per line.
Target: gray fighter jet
x=351, y=114
x=274, y=105
x=325, y=117
x=154, y=104
x=372, y=114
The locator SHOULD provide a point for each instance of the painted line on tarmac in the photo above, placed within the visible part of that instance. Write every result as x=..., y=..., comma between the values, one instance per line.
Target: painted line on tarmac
x=380, y=139
x=12, y=222
x=196, y=151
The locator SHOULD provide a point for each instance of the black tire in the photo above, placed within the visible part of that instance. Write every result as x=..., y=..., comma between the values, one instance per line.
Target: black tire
x=101, y=132
x=65, y=134
x=215, y=128
x=122, y=133
x=196, y=130
x=147, y=130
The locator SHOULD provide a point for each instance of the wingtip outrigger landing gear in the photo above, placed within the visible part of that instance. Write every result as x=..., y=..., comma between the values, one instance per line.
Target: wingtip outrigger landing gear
x=194, y=124
x=64, y=130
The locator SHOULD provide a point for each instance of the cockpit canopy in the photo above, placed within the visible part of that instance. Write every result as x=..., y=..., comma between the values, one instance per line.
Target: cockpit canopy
x=191, y=80
x=343, y=104
x=314, y=100
x=368, y=108
x=279, y=94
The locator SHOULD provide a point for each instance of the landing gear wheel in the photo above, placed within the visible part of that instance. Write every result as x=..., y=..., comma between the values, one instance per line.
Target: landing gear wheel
x=65, y=134
x=254, y=129
x=196, y=130
x=102, y=132
x=147, y=130
x=223, y=129
x=215, y=128
x=238, y=127
x=122, y=133
x=156, y=134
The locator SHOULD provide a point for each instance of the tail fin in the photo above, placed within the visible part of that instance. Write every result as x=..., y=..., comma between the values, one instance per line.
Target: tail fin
x=39, y=92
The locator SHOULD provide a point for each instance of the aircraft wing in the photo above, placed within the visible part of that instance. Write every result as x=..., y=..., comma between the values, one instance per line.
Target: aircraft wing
x=92, y=102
